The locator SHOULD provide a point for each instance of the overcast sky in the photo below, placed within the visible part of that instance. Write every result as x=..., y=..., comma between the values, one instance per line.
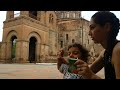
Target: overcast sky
x=85, y=14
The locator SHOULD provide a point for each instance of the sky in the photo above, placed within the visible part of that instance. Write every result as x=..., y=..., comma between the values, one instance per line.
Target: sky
x=85, y=14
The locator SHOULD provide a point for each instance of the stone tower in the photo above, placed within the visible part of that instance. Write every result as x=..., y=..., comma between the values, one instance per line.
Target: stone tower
x=28, y=37
x=72, y=28
x=68, y=15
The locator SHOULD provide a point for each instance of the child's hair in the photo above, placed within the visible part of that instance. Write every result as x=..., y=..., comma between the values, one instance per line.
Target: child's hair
x=84, y=52
x=103, y=17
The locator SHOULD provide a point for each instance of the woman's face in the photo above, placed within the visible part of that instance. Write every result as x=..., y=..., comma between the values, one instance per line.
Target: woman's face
x=74, y=52
x=97, y=32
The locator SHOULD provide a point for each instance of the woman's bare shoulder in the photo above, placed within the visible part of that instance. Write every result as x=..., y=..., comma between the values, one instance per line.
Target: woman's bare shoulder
x=116, y=48
x=100, y=57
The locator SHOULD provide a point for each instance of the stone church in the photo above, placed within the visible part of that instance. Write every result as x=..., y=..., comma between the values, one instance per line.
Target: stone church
x=36, y=36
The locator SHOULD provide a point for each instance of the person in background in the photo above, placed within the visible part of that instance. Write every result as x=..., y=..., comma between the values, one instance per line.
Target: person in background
x=75, y=51
x=104, y=27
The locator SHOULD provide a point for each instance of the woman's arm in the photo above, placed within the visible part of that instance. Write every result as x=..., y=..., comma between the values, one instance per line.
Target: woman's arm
x=90, y=72
x=85, y=71
x=98, y=63
x=116, y=60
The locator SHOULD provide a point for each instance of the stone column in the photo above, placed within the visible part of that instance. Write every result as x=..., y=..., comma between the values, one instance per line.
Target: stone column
x=43, y=16
x=9, y=15
x=25, y=51
x=22, y=51
x=42, y=54
x=3, y=52
x=37, y=56
x=8, y=53
x=18, y=50
x=38, y=15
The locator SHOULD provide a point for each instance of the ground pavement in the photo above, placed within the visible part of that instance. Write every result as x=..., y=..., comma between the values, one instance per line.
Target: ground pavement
x=32, y=71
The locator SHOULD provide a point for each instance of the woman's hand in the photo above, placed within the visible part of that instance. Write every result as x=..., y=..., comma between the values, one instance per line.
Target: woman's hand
x=83, y=69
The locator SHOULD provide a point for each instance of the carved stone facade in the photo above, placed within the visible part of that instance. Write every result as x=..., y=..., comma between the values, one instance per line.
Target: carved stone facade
x=36, y=36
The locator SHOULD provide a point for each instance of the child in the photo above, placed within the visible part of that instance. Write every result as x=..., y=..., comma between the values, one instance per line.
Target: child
x=76, y=51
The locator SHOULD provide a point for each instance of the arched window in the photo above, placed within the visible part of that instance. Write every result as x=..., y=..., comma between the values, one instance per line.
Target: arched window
x=79, y=15
x=51, y=18
x=73, y=15
x=61, y=15
x=73, y=40
x=65, y=15
x=61, y=44
x=68, y=14
x=88, y=41
x=66, y=36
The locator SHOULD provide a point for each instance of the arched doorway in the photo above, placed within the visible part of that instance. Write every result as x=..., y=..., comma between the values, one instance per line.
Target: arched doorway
x=32, y=50
x=13, y=47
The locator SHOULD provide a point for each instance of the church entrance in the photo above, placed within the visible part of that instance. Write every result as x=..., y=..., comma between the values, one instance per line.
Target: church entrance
x=32, y=50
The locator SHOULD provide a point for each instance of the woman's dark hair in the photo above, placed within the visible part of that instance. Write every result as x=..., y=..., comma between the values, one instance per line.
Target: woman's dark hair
x=84, y=52
x=103, y=17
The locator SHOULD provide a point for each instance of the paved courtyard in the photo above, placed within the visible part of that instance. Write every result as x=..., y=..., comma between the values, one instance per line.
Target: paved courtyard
x=32, y=71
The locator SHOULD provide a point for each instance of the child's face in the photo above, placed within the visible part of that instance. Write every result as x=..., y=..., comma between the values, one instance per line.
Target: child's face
x=74, y=52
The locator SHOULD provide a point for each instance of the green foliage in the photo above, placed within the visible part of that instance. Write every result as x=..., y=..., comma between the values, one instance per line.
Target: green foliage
x=13, y=50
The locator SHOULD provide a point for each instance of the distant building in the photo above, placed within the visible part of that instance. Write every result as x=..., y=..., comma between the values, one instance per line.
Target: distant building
x=36, y=36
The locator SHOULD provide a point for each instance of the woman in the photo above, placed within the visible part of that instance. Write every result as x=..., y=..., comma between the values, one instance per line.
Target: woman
x=75, y=51
x=104, y=27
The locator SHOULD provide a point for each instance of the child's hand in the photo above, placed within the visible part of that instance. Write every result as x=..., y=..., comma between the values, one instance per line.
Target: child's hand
x=60, y=58
x=60, y=53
